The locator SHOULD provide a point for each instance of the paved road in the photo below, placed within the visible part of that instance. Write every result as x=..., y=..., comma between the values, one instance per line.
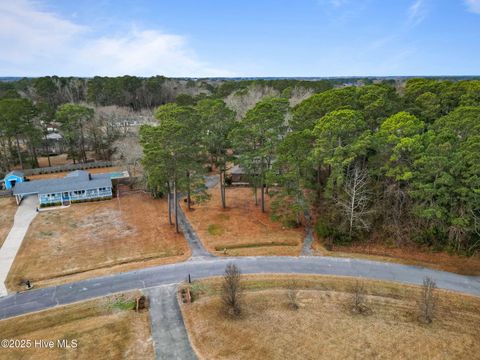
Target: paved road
x=38, y=299
x=170, y=339
x=25, y=214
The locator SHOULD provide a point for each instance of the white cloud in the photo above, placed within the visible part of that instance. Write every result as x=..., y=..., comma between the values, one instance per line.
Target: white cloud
x=338, y=3
x=473, y=6
x=37, y=42
x=417, y=12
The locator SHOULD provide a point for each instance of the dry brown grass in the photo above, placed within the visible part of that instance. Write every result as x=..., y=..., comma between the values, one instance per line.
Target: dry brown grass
x=241, y=228
x=54, y=160
x=97, y=238
x=8, y=208
x=324, y=326
x=409, y=255
x=103, y=331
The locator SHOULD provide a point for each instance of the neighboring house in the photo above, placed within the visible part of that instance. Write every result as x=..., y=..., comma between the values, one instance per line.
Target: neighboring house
x=77, y=186
x=238, y=174
x=54, y=143
x=13, y=178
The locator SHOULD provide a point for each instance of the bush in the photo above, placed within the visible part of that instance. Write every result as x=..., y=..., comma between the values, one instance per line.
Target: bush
x=324, y=230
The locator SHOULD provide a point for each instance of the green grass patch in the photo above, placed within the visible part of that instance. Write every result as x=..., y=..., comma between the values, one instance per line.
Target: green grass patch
x=215, y=229
x=46, y=233
x=254, y=245
x=224, y=217
x=123, y=304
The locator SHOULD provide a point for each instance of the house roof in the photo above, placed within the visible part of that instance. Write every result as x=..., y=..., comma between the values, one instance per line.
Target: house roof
x=76, y=180
x=54, y=136
x=15, y=173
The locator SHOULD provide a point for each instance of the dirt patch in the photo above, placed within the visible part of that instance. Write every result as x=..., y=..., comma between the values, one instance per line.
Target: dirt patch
x=409, y=255
x=56, y=160
x=324, y=325
x=102, y=328
x=8, y=209
x=97, y=238
x=241, y=228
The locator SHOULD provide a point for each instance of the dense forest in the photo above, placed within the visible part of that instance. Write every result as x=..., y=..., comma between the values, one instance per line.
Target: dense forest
x=359, y=159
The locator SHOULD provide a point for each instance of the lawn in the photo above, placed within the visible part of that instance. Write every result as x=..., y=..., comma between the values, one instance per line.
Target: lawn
x=324, y=327
x=241, y=228
x=9, y=208
x=97, y=238
x=104, y=329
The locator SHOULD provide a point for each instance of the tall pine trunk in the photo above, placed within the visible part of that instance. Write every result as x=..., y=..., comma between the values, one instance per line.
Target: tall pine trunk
x=19, y=153
x=169, y=197
x=189, y=200
x=262, y=191
x=175, y=205
x=222, y=188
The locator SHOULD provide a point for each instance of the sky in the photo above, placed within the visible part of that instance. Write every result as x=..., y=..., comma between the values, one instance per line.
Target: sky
x=207, y=38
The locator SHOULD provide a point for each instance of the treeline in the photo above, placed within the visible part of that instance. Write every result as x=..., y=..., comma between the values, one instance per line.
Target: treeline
x=138, y=93
x=358, y=163
x=25, y=126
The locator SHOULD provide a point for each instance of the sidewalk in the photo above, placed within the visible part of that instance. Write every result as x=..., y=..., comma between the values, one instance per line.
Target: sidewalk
x=25, y=214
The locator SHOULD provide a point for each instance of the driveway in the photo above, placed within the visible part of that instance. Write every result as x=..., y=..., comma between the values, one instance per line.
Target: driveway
x=26, y=212
x=170, y=338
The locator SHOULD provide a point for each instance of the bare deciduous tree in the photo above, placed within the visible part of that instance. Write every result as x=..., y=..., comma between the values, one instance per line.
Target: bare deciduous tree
x=428, y=300
x=243, y=100
x=354, y=205
x=128, y=152
x=359, y=305
x=232, y=291
x=292, y=295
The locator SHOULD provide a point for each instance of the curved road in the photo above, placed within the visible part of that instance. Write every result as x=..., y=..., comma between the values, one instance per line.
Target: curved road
x=39, y=299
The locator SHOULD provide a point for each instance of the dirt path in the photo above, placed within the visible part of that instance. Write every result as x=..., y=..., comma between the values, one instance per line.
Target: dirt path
x=25, y=214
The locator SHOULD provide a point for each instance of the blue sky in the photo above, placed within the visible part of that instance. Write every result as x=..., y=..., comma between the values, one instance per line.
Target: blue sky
x=239, y=38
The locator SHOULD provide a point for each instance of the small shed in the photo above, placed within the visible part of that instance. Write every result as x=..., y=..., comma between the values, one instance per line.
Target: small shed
x=12, y=178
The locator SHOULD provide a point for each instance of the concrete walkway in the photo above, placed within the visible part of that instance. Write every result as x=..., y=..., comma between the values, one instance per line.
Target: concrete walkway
x=170, y=337
x=26, y=212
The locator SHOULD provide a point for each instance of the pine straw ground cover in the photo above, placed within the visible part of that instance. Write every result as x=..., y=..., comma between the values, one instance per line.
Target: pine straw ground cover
x=241, y=228
x=324, y=326
x=8, y=209
x=104, y=328
x=97, y=238
x=411, y=255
